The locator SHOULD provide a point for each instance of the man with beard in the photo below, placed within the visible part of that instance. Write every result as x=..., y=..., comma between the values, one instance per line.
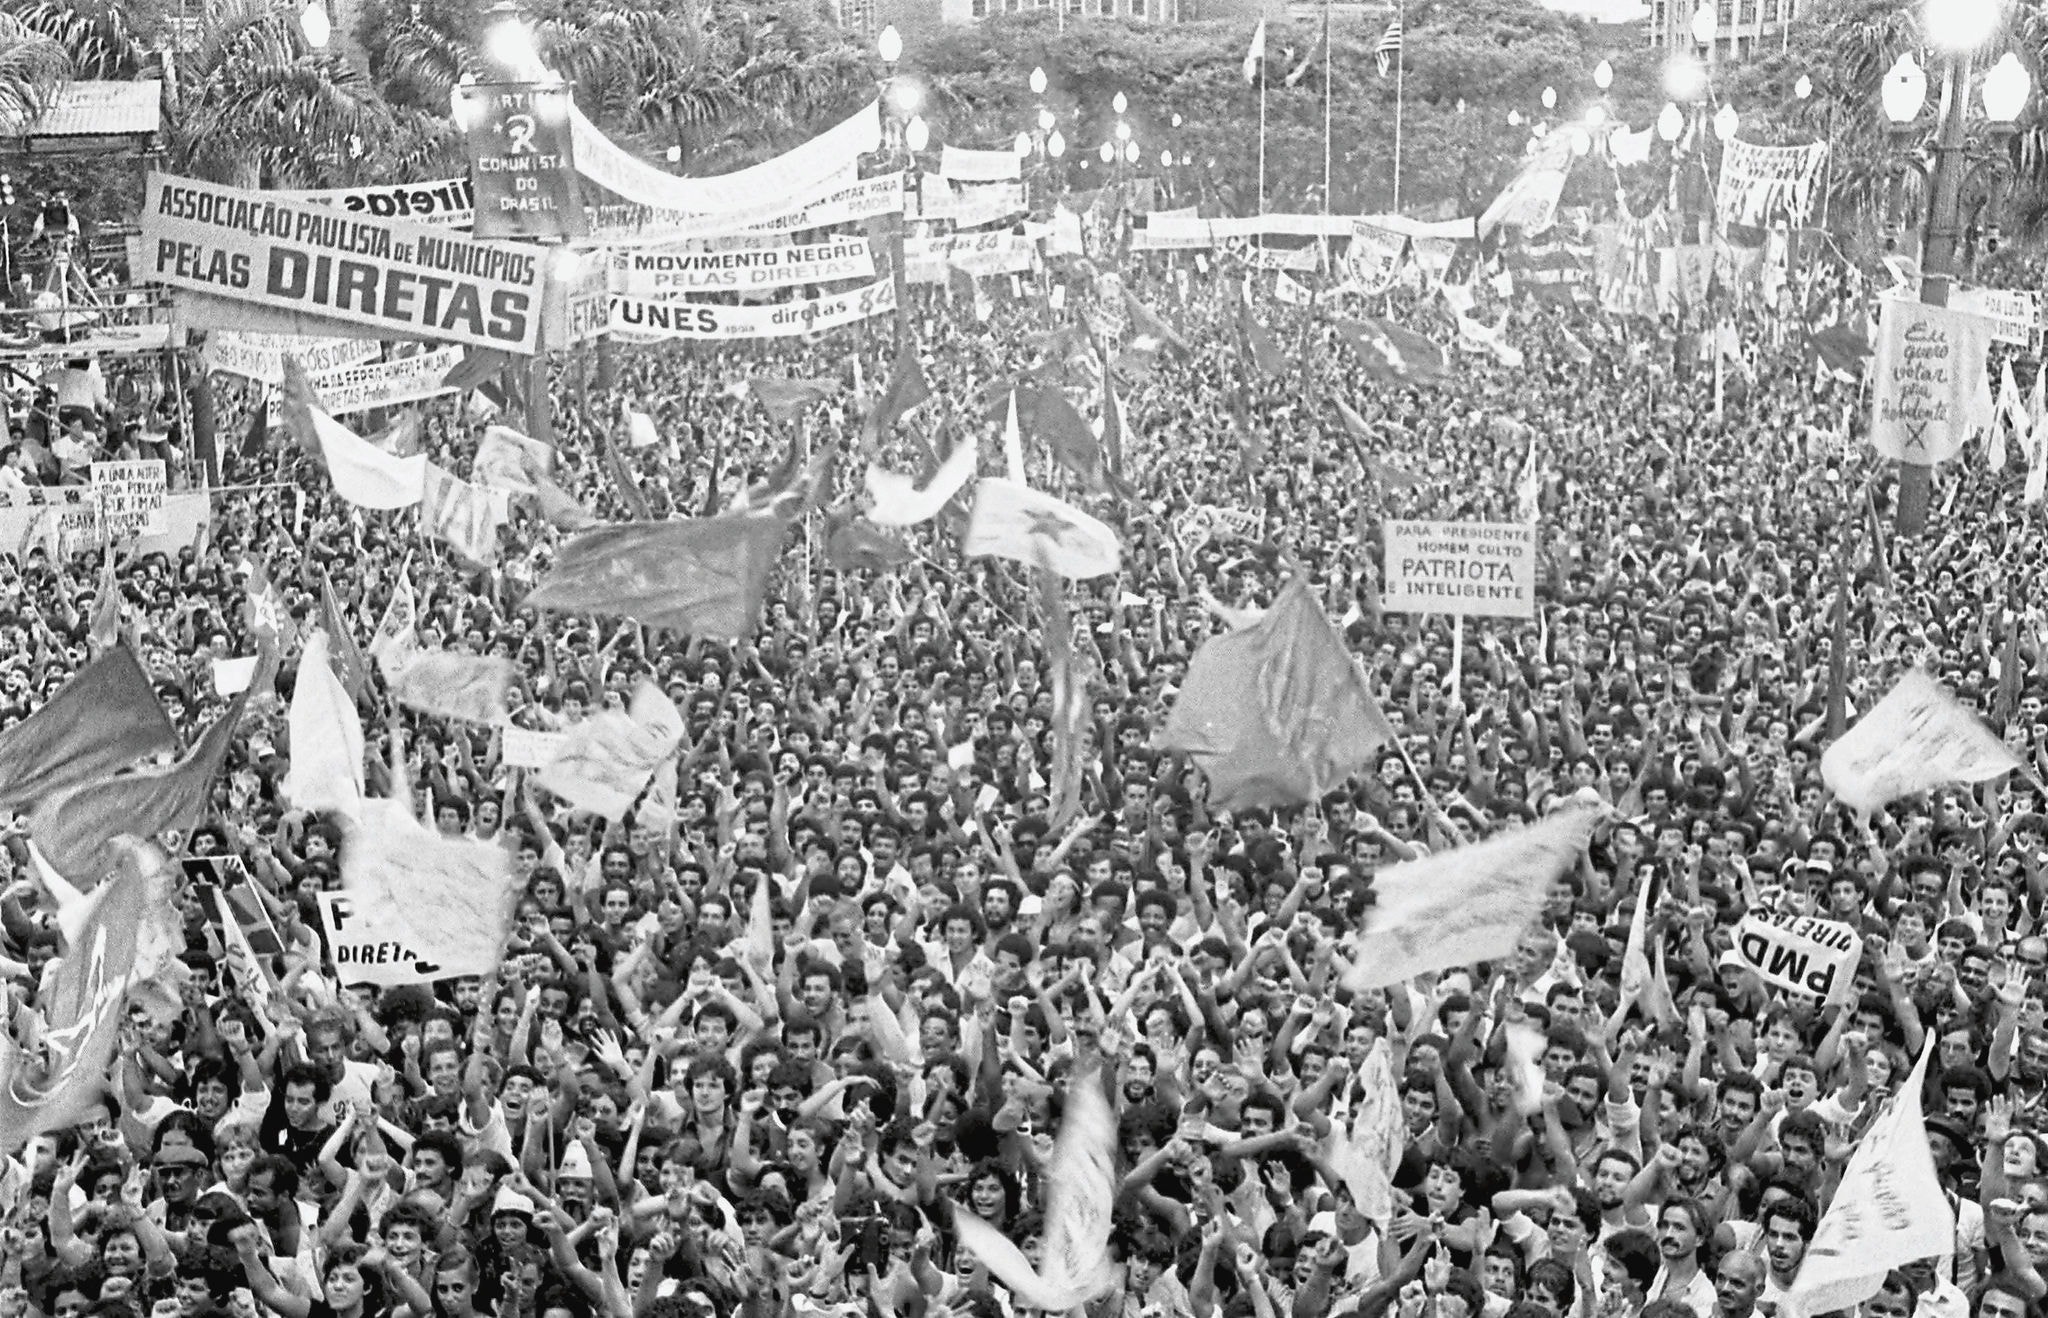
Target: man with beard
x=1787, y=1227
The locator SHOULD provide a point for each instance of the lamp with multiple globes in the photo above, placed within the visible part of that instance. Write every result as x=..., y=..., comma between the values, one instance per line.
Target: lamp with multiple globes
x=1726, y=121
x=1684, y=78
x=2005, y=90
x=1803, y=88
x=1131, y=152
x=1038, y=82
x=917, y=135
x=889, y=45
x=1603, y=75
x=1550, y=98
x=1670, y=122
x=1706, y=24
x=315, y=25
x=1904, y=90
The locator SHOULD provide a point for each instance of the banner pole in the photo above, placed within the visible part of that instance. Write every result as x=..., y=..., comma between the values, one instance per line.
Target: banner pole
x=1400, y=70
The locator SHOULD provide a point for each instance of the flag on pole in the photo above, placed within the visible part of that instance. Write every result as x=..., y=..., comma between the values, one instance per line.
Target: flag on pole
x=783, y=399
x=905, y=390
x=363, y=474
x=103, y=720
x=1276, y=713
x=74, y=829
x=325, y=771
x=1392, y=351
x=1389, y=48
x=1045, y=414
x=605, y=761
x=106, y=606
x=1264, y=348
x=349, y=664
x=1889, y=1208
x=394, y=638
x=1011, y=520
x=899, y=502
x=1317, y=54
x=703, y=576
x=1255, y=58
x=469, y=688
x=853, y=544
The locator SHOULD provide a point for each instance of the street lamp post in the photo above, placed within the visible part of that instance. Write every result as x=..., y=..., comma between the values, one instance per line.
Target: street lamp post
x=1957, y=28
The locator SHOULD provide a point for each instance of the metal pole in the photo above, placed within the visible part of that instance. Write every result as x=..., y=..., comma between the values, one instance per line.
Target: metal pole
x=1328, y=91
x=1942, y=226
x=1400, y=70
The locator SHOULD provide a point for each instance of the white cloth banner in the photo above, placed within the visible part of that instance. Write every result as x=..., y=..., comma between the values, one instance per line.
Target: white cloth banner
x=799, y=170
x=966, y=166
x=385, y=384
x=469, y=688
x=1799, y=953
x=1916, y=738
x=994, y=252
x=523, y=748
x=1932, y=384
x=898, y=501
x=1080, y=1190
x=1466, y=905
x=657, y=275
x=639, y=320
x=604, y=762
x=1759, y=184
x=258, y=356
x=1182, y=231
x=968, y=205
x=437, y=907
x=1889, y=1209
x=1011, y=520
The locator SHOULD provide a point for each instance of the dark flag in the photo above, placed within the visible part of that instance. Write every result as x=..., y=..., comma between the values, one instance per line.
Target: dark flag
x=1386, y=473
x=75, y=830
x=1391, y=351
x=1317, y=54
x=105, y=631
x=1265, y=349
x=905, y=390
x=1276, y=713
x=478, y=367
x=258, y=432
x=1146, y=324
x=703, y=576
x=1045, y=416
x=103, y=720
x=853, y=543
x=782, y=399
x=351, y=669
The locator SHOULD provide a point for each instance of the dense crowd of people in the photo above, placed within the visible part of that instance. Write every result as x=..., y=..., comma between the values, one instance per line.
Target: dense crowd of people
x=649, y=1109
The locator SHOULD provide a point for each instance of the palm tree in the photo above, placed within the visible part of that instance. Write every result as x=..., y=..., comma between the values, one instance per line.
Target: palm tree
x=32, y=68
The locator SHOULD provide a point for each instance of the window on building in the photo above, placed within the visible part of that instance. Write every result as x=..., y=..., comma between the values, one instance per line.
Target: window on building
x=979, y=8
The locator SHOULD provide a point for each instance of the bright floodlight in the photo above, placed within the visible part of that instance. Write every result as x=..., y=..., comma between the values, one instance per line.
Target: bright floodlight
x=1962, y=24
x=1038, y=82
x=1726, y=121
x=917, y=134
x=1056, y=145
x=1022, y=145
x=889, y=45
x=907, y=95
x=1514, y=118
x=1107, y=152
x=2005, y=89
x=1706, y=24
x=1670, y=122
x=1582, y=141
x=1684, y=79
x=1131, y=152
x=1045, y=121
x=1803, y=88
x=1550, y=98
x=1123, y=131
x=1166, y=160
x=1596, y=116
x=1603, y=75
x=1120, y=103
x=509, y=43
x=314, y=23
x=1904, y=90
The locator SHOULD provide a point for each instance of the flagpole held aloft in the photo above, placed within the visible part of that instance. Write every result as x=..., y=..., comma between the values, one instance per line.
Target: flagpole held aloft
x=1400, y=69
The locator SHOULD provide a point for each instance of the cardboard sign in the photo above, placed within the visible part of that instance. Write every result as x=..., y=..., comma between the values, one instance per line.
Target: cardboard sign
x=131, y=497
x=1479, y=569
x=367, y=949
x=1799, y=953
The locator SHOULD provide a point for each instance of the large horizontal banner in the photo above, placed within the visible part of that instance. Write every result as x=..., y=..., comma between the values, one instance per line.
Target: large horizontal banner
x=642, y=320
x=446, y=201
x=797, y=171
x=839, y=199
x=300, y=257
x=2015, y=313
x=257, y=355
x=998, y=252
x=1482, y=569
x=1759, y=185
x=666, y=274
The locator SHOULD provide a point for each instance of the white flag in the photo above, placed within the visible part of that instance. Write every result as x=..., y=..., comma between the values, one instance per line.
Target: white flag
x=1888, y=1210
x=1916, y=738
x=1464, y=905
x=1012, y=520
x=470, y=688
x=1080, y=1188
x=325, y=771
x=605, y=761
x=364, y=474
x=898, y=501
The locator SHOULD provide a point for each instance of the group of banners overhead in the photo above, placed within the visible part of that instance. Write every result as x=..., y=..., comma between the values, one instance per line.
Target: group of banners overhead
x=742, y=268
x=1482, y=569
x=259, y=356
x=995, y=252
x=641, y=320
x=384, y=384
x=1761, y=185
x=447, y=201
x=393, y=278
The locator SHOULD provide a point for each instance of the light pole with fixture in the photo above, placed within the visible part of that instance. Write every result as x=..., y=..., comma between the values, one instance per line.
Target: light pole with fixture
x=1958, y=29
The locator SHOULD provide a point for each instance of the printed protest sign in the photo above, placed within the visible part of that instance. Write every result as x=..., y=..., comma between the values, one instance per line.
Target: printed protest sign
x=256, y=355
x=640, y=319
x=999, y=252
x=2015, y=313
x=367, y=947
x=1479, y=569
x=522, y=160
x=390, y=277
x=131, y=497
x=448, y=202
x=667, y=273
x=1799, y=953
x=523, y=748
